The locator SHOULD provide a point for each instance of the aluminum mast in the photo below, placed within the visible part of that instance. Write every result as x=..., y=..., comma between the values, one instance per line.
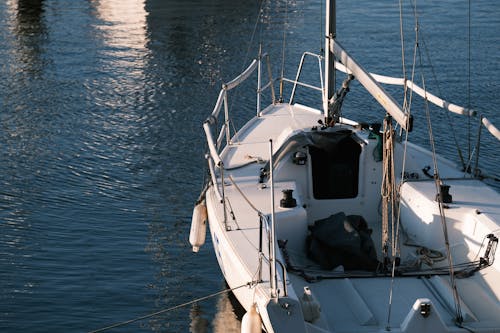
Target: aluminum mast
x=330, y=23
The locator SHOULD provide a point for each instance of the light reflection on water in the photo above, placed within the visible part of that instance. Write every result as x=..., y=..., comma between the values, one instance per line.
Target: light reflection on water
x=101, y=159
x=101, y=152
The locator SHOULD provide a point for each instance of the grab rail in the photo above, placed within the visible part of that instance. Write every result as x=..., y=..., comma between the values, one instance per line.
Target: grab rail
x=242, y=77
x=273, y=279
x=490, y=127
x=299, y=71
x=215, y=138
x=495, y=132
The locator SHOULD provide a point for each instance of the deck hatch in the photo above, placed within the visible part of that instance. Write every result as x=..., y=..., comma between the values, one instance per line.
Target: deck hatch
x=335, y=167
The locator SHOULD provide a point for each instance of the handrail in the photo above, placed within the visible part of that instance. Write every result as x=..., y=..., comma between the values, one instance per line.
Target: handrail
x=262, y=256
x=302, y=84
x=214, y=154
x=297, y=76
x=373, y=87
x=218, y=104
x=398, y=81
x=214, y=136
x=494, y=131
x=425, y=94
x=430, y=97
x=490, y=127
x=284, y=276
x=389, y=80
x=264, y=222
x=242, y=77
x=214, y=179
x=272, y=236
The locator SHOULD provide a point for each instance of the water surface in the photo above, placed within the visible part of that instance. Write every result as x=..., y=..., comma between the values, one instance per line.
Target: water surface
x=101, y=146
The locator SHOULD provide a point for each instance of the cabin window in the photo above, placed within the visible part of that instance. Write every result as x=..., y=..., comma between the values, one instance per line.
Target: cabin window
x=335, y=169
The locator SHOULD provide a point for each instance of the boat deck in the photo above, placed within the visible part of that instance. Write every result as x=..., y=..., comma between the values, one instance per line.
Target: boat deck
x=350, y=303
x=362, y=304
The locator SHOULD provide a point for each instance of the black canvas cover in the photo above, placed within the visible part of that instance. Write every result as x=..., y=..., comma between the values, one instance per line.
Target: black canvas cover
x=343, y=240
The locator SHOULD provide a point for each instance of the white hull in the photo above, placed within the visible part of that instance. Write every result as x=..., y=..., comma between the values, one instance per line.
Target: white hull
x=340, y=227
x=354, y=304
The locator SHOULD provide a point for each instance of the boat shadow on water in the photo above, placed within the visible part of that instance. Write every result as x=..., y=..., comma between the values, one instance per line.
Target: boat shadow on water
x=227, y=318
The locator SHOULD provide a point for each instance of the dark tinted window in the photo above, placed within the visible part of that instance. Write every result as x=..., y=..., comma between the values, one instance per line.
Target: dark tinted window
x=335, y=169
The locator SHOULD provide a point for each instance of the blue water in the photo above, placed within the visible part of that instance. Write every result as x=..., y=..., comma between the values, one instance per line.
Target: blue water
x=101, y=147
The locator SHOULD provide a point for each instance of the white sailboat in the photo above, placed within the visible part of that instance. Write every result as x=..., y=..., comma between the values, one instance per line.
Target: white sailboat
x=325, y=224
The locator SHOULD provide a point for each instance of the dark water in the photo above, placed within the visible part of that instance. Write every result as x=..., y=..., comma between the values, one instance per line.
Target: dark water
x=101, y=143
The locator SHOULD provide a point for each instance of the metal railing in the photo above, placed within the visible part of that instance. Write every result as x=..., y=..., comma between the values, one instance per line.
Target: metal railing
x=273, y=280
x=297, y=82
x=218, y=139
x=223, y=135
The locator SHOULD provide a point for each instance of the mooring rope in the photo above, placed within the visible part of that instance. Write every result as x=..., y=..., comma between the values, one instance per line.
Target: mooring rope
x=127, y=322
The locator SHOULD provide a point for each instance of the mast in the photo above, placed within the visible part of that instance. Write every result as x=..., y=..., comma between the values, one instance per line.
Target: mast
x=334, y=49
x=330, y=31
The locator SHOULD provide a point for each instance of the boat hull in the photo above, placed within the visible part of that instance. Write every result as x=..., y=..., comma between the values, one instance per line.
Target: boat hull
x=349, y=302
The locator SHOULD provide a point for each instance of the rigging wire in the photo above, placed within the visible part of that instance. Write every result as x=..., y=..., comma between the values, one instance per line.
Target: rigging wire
x=420, y=41
x=468, y=80
x=438, y=182
x=247, y=53
x=395, y=216
x=403, y=64
x=321, y=25
x=283, y=51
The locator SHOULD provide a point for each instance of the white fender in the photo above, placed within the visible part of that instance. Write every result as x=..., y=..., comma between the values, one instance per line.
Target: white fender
x=198, y=226
x=251, y=321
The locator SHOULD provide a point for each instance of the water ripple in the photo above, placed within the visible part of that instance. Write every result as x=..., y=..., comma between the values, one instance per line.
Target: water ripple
x=101, y=148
